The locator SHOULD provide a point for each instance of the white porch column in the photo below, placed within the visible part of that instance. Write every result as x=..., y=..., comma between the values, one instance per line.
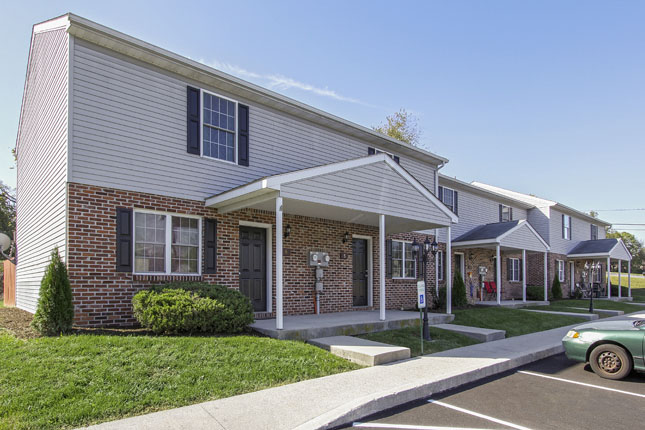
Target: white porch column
x=278, y=263
x=609, y=277
x=524, y=275
x=620, y=285
x=498, y=271
x=629, y=278
x=436, y=274
x=546, y=276
x=381, y=270
x=449, y=275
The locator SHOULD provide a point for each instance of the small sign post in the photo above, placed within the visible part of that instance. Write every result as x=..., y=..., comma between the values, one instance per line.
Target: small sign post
x=421, y=302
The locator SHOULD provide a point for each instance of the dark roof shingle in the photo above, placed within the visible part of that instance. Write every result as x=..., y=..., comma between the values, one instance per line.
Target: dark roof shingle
x=599, y=246
x=487, y=231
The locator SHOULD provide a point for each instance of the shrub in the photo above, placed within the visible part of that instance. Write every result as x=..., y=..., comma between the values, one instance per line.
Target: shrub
x=535, y=292
x=192, y=307
x=577, y=293
x=556, y=288
x=440, y=299
x=459, y=298
x=55, y=312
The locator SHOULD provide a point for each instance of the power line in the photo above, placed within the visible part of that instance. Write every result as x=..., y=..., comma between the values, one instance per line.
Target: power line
x=617, y=210
x=623, y=223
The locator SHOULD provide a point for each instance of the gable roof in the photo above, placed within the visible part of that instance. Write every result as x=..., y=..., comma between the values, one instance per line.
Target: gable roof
x=487, y=231
x=518, y=234
x=132, y=47
x=601, y=247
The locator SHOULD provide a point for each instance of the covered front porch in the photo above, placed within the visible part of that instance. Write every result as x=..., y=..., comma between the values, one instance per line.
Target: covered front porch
x=482, y=252
x=586, y=261
x=368, y=198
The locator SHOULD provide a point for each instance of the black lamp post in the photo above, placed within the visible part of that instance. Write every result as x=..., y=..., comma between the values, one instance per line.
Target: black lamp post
x=427, y=247
x=593, y=267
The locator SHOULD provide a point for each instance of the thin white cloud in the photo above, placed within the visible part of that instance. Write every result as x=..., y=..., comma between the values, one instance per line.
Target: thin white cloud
x=279, y=82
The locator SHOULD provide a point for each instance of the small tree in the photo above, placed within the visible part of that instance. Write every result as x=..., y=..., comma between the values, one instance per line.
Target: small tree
x=459, y=298
x=55, y=313
x=556, y=288
x=401, y=125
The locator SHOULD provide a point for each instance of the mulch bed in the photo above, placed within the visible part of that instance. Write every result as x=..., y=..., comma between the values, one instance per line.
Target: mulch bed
x=17, y=322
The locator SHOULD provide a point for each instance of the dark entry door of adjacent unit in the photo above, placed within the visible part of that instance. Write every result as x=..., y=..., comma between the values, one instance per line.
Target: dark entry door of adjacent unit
x=359, y=272
x=253, y=275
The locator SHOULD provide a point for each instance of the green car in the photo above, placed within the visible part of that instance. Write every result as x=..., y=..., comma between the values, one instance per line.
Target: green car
x=612, y=348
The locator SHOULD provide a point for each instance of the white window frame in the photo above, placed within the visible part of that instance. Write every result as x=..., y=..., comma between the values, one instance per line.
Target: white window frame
x=409, y=243
x=508, y=210
x=594, y=227
x=201, y=126
x=440, y=266
x=443, y=194
x=515, y=271
x=561, y=270
x=168, y=243
x=566, y=229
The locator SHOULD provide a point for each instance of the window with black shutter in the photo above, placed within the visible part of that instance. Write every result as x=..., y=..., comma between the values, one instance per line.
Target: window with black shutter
x=123, y=240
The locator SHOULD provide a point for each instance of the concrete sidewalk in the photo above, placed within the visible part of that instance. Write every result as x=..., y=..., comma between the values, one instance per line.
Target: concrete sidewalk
x=339, y=399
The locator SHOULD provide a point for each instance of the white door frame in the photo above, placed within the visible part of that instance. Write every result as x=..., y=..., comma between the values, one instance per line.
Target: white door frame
x=462, y=267
x=370, y=267
x=572, y=275
x=269, y=257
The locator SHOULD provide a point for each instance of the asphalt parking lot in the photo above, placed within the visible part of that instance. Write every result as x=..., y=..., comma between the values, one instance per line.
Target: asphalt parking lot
x=553, y=393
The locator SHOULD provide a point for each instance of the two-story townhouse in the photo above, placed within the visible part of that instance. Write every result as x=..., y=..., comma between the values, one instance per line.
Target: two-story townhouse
x=576, y=240
x=493, y=242
x=144, y=167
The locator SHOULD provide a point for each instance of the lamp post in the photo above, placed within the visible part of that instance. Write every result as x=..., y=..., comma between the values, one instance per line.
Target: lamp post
x=592, y=268
x=427, y=247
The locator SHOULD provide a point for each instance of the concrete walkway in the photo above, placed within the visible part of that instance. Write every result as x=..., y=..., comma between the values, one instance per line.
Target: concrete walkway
x=513, y=304
x=339, y=399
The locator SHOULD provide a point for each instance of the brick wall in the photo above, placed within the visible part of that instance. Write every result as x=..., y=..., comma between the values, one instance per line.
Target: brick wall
x=102, y=296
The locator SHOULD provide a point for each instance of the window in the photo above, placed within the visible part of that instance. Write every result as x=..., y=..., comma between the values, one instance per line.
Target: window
x=448, y=198
x=403, y=263
x=566, y=227
x=594, y=232
x=514, y=268
x=561, y=270
x=219, y=127
x=165, y=243
x=505, y=213
x=440, y=269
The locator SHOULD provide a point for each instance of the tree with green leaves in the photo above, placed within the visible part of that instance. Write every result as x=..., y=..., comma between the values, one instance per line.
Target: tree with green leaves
x=556, y=288
x=401, y=125
x=459, y=298
x=55, y=312
x=7, y=210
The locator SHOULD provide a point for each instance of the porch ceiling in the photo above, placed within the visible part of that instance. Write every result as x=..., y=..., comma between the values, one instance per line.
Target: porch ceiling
x=353, y=191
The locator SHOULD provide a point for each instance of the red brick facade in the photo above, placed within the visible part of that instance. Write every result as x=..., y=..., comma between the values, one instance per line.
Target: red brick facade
x=102, y=296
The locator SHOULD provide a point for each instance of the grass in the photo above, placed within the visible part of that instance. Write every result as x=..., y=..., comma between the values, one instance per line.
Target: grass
x=566, y=305
x=77, y=380
x=638, y=285
x=516, y=322
x=409, y=337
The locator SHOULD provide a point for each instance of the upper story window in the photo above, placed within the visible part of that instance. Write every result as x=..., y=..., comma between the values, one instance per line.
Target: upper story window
x=166, y=244
x=594, y=232
x=450, y=198
x=403, y=263
x=505, y=213
x=566, y=227
x=219, y=126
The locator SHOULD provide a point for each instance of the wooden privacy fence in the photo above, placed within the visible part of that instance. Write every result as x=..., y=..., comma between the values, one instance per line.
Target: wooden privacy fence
x=9, y=283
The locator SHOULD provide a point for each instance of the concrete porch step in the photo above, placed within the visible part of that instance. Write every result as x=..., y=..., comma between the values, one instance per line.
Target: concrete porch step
x=586, y=316
x=477, y=333
x=513, y=304
x=611, y=312
x=617, y=299
x=361, y=351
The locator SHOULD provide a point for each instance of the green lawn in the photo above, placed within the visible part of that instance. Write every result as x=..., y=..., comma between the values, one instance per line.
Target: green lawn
x=638, y=285
x=515, y=321
x=76, y=380
x=566, y=305
x=410, y=337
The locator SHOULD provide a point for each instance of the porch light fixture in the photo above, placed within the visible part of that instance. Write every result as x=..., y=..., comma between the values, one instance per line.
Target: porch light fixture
x=427, y=247
x=287, y=231
x=346, y=237
x=434, y=247
x=592, y=268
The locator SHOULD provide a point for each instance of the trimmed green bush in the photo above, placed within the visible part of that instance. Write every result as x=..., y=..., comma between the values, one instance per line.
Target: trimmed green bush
x=192, y=307
x=440, y=299
x=459, y=298
x=556, y=288
x=535, y=292
x=55, y=312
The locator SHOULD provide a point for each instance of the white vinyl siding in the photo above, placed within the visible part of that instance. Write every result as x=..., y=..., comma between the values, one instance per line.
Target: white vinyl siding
x=129, y=132
x=42, y=164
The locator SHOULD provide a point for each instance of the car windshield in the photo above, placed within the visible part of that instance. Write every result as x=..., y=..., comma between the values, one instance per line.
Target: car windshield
x=639, y=323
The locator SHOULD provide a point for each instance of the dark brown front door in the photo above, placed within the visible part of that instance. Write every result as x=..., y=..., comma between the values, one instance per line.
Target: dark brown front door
x=359, y=275
x=253, y=266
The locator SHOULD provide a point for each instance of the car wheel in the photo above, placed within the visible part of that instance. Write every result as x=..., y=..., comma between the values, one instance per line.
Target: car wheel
x=610, y=361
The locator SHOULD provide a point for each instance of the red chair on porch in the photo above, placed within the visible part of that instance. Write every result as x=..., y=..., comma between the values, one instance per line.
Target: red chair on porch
x=491, y=287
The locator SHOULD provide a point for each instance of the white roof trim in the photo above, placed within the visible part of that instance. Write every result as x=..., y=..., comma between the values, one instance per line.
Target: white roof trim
x=275, y=182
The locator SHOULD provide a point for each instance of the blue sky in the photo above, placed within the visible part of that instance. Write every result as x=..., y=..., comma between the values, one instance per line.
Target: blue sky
x=544, y=97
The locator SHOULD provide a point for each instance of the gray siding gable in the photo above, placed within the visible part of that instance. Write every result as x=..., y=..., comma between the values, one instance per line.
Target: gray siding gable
x=129, y=132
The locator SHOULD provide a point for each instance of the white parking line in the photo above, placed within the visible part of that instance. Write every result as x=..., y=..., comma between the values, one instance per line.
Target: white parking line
x=477, y=414
x=409, y=427
x=581, y=383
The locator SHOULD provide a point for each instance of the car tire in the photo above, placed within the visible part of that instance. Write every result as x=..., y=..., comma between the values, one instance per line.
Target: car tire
x=610, y=361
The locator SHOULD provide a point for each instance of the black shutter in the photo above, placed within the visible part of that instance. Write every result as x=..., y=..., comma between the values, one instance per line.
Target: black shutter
x=500, y=213
x=193, y=135
x=371, y=151
x=521, y=269
x=420, y=267
x=455, y=202
x=396, y=159
x=510, y=214
x=210, y=245
x=591, y=235
x=388, y=258
x=440, y=196
x=509, y=269
x=563, y=226
x=123, y=240
x=243, y=135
